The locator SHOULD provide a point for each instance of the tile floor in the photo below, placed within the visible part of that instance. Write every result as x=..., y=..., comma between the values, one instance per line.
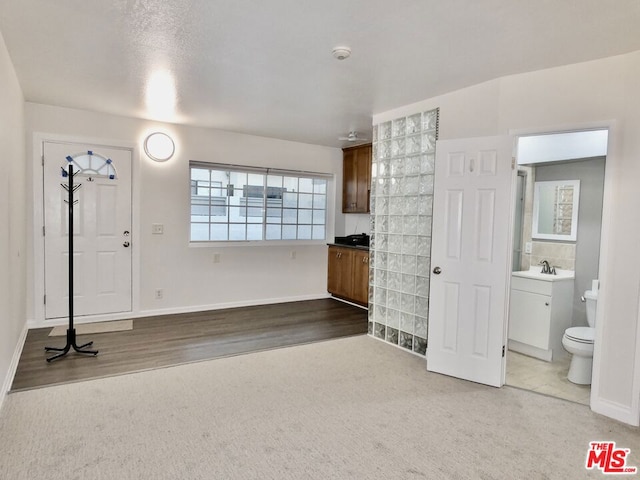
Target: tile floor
x=549, y=378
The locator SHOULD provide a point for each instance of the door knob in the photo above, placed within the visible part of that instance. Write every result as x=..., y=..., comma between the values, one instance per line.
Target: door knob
x=126, y=233
x=126, y=244
x=437, y=271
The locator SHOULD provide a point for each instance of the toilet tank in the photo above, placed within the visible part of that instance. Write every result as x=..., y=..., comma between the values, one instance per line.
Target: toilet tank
x=591, y=299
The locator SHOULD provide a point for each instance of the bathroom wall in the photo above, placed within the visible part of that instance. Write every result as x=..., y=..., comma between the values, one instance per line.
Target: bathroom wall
x=558, y=254
x=586, y=250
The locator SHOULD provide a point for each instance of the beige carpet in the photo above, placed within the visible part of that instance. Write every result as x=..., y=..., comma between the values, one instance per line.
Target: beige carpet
x=353, y=408
x=89, y=328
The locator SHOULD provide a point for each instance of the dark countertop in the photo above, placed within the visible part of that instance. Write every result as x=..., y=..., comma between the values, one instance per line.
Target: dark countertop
x=356, y=247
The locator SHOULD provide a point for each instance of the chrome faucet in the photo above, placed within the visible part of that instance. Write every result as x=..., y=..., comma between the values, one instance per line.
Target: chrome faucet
x=545, y=267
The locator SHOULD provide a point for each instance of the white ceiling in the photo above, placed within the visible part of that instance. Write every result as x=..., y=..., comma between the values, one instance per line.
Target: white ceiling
x=265, y=67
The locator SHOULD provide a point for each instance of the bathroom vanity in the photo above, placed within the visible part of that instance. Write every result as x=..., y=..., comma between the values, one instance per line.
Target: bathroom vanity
x=540, y=310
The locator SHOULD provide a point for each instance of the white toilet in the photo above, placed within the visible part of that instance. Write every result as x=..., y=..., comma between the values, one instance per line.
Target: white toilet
x=578, y=341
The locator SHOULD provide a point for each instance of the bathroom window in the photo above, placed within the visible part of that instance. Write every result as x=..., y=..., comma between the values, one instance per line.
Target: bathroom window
x=232, y=203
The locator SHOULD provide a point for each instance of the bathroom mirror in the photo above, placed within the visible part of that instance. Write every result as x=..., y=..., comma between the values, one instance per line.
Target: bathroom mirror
x=555, y=210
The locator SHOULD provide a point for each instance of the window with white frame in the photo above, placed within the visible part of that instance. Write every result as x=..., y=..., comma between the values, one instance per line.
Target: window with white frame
x=234, y=203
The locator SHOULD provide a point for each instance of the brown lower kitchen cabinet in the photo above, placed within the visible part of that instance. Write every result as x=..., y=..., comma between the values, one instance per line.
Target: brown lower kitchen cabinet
x=361, y=277
x=348, y=275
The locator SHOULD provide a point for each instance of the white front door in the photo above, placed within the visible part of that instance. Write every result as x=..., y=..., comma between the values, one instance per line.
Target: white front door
x=470, y=258
x=102, y=226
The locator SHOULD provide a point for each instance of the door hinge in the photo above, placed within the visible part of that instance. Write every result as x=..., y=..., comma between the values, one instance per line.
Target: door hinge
x=45, y=300
x=43, y=160
x=513, y=163
x=43, y=230
x=503, y=350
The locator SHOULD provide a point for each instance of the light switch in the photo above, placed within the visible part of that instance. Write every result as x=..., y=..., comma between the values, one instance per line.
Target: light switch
x=157, y=229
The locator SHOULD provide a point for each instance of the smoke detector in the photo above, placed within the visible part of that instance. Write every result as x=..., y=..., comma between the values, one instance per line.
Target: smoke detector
x=341, y=53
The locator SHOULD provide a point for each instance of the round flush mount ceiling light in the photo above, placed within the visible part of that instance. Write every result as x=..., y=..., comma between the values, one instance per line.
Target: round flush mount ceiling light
x=341, y=53
x=159, y=146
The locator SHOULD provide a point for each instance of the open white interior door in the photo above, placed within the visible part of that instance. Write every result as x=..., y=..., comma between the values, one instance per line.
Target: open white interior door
x=470, y=258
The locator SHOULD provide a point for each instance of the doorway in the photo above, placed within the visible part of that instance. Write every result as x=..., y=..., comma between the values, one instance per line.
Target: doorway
x=539, y=362
x=102, y=226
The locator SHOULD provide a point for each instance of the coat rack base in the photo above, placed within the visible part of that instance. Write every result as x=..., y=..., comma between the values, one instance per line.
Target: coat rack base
x=71, y=344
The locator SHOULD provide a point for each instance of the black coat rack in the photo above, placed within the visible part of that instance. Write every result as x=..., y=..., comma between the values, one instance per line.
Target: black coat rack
x=71, y=331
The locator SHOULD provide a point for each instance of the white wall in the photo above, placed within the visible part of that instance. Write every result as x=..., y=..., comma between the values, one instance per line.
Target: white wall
x=597, y=93
x=12, y=218
x=187, y=274
x=357, y=223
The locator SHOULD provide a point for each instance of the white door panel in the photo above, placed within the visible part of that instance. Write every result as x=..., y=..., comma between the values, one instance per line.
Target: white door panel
x=471, y=246
x=102, y=215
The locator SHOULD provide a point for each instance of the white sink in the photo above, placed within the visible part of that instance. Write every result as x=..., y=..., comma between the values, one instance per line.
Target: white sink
x=536, y=273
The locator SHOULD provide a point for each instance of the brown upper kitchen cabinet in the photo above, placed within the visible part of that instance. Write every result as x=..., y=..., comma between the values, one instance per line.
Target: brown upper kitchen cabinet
x=356, y=179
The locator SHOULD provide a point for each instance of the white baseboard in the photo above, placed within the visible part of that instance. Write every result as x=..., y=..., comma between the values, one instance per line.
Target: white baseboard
x=55, y=322
x=172, y=310
x=615, y=410
x=13, y=366
x=529, y=350
x=350, y=303
x=221, y=306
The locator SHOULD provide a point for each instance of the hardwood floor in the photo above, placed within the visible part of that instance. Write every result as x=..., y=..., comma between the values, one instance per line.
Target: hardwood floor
x=174, y=339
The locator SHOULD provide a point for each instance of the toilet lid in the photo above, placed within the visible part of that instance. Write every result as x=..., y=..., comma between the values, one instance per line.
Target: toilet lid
x=581, y=334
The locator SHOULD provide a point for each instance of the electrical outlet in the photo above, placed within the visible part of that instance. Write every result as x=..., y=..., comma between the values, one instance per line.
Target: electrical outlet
x=216, y=258
x=157, y=228
x=527, y=247
x=159, y=293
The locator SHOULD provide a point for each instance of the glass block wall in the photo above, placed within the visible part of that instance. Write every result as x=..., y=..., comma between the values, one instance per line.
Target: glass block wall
x=401, y=212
